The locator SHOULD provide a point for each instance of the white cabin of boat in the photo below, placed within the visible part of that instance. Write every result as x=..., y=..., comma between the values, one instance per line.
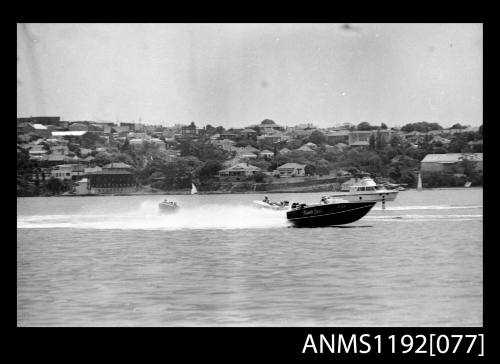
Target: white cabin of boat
x=359, y=184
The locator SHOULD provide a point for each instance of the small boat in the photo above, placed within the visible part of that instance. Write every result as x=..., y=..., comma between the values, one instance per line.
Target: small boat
x=327, y=213
x=194, y=191
x=467, y=184
x=168, y=206
x=364, y=189
x=283, y=205
x=391, y=186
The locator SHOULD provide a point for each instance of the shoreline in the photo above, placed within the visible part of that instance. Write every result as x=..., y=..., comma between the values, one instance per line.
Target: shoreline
x=238, y=192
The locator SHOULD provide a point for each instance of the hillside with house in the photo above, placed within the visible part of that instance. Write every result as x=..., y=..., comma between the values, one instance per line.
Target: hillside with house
x=85, y=157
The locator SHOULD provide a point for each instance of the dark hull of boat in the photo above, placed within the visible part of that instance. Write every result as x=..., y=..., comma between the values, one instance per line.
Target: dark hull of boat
x=330, y=214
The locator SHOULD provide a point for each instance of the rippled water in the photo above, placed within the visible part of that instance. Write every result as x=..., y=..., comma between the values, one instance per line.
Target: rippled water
x=220, y=261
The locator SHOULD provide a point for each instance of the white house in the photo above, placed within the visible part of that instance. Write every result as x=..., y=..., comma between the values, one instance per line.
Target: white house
x=266, y=154
x=239, y=171
x=67, y=171
x=447, y=162
x=292, y=170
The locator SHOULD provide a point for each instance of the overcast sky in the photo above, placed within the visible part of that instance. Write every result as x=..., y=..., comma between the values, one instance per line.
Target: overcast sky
x=235, y=75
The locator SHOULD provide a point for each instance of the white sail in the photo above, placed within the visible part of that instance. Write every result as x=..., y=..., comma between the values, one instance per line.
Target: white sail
x=193, y=189
x=419, y=184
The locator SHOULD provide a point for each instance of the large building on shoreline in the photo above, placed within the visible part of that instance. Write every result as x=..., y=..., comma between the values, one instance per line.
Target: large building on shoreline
x=450, y=162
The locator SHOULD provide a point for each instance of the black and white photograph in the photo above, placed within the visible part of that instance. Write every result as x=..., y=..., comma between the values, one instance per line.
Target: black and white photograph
x=250, y=175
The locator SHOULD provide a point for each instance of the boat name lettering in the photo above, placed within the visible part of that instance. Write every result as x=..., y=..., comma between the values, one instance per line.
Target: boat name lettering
x=312, y=212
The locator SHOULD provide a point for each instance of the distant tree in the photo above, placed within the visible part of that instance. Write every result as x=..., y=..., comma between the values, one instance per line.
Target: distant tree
x=220, y=129
x=352, y=170
x=257, y=129
x=293, y=144
x=371, y=141
x=477, y=148
x=383, y=126
x=439, y=150
x=262, y=164
x=210, y=130
x=395, y=141
x=209, y=170
x=434, y=126
x=395, y=172
x=480, y=131
x=322, y=167
x=90, y=140
x=438, y=144
x=259, y=177
x=458, y=144
x=317, y=137
x=125, y=158
x=25, y=168
x=380, y=141
x=422, y=127
x=467, y=166
x=267, y=121
x=458, y=126
x=103, y=158
x=364, y=126
x=54, y=185
x=185, y=148
x=74, y=148
x=125, y=147
x=310, y=170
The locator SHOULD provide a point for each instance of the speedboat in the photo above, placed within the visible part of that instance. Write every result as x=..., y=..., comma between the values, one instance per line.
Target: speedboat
x=283, y=205
x=328, y=212
x=364, y=189
x=168, y=206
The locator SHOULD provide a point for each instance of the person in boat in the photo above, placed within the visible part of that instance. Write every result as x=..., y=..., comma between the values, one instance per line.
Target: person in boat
x=266, y=200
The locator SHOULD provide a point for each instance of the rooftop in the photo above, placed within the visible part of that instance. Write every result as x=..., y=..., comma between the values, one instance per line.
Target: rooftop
x=305, y=148
x=291, y=165
x=110, y=172
x=69, y=133
x=452, y=157
x=242, y=167
x=117, y=165
x=338, y=133
x=39, y=126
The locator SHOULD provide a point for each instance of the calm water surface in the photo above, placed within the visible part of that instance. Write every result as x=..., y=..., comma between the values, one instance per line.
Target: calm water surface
x=220, y=261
